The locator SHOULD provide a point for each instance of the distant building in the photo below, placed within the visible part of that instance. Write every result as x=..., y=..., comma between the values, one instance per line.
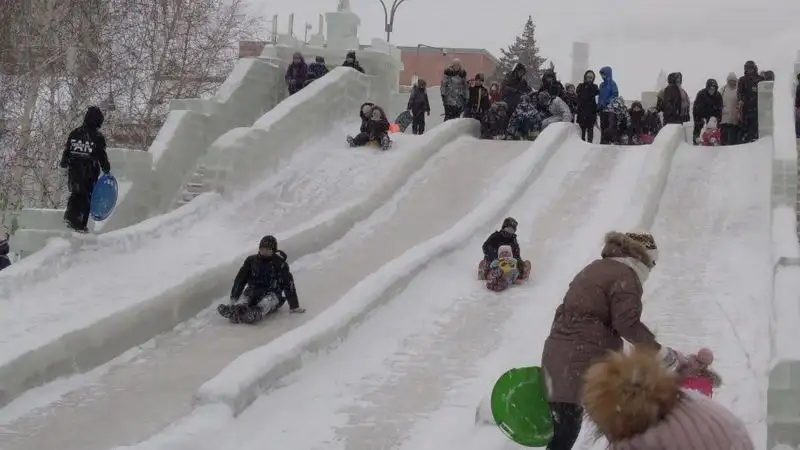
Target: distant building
x=429, y=63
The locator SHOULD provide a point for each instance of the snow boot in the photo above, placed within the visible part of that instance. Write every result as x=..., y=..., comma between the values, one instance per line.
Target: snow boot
x=351, y=142
x=385, y=142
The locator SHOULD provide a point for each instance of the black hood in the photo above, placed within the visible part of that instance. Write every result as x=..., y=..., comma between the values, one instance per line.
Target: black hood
x=672, y=78
x=93, y=118
x=594, y=75
x=712, y=83
x=361, y=110
x=750, y=68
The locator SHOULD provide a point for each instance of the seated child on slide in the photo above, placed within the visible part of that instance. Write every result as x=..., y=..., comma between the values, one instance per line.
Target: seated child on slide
x=699, y=366
x=712, y=136
x=374, y=127
x=503, y=271
x=506, y=235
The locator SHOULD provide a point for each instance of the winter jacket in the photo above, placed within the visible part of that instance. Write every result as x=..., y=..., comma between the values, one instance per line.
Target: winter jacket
x=494, y=122
x=618, y=108
x=706, y=104
x=84, y=154
x=418, y=101
x=377, y=128
x=498, y=239
x=478, y=101
x=669, y=101
x=608, y=88
x=551, y=85
x=602, y=306
x=730, y=105
x=317, y=70
x=296, y=74
x=637, y=115
x=558, y=111
x=571, y=99
x=351, y=61
x=364, y=119
x=652, y=123
x=587, y=102
x=454, y=87
x=263, y=274
x=5, y=261
x=515, y=86
x=496, y=95
x=748, y=87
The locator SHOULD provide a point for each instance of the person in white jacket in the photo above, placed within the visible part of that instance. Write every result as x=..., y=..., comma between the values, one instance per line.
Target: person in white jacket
x=729, y=122
x=553, y=108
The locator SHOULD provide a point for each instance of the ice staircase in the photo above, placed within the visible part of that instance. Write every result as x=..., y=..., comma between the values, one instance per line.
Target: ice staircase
x=194, y=186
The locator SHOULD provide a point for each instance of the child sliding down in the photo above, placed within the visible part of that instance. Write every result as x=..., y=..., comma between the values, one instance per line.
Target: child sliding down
x=712, y=136
x=696, y=373
x=374, y=127
x=503, y=271
x=506, y=236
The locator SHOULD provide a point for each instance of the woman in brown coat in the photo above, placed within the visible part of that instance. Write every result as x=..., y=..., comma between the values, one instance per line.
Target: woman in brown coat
x=602, y=306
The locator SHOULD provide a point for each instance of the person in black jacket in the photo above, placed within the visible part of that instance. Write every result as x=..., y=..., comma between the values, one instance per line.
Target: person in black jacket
x=514, y=86
x=587, y=105
x=419, y=105
x=5, y=261
x=478, y=102
x=748, y=101
x=670, y=101
x=316, y=70
x=551, y=85
x=351, y=61
x=707, y=104
x=266, y=282
x=506, y=235
x=84, y=157
x=374, y=129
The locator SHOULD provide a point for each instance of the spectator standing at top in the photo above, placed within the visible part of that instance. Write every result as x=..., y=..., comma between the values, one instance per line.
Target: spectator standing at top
x=748, y=101
x=670, y=101
x=296, y=74
x=478, y=102
x=587, y=105
x=454, y=90
x=729, y=123
x=514, y=87
x=419, y=105
x=551, y=85
x=607, y=94
x=317, y=69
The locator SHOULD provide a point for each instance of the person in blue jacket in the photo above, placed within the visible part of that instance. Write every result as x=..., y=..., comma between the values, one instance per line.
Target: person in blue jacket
x=608, y=92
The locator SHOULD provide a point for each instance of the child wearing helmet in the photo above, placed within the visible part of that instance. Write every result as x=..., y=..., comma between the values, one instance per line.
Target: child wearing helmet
x=266, y=283
x=506, y=235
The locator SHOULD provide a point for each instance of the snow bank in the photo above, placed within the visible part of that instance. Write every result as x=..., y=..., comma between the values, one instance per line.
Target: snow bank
x=644, y=204
x=59, y=252
x=239, y=383
x=783, y=392
x=85, y=348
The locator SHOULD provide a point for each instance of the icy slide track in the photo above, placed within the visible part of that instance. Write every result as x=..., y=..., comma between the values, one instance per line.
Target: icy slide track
x=154, y=386
x=411, y=374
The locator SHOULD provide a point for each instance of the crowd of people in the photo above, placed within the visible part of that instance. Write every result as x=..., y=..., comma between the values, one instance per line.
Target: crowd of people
x=300, y=74
x=515, y=110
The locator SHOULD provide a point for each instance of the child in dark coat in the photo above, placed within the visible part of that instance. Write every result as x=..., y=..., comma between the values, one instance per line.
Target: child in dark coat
x=296, y=74
x=266, y=283
x=5, y=261
x=419, y=105
x=376, y=128
x=478, y=102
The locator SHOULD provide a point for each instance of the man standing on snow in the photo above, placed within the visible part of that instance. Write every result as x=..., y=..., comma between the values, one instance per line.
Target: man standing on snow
x=83, y=158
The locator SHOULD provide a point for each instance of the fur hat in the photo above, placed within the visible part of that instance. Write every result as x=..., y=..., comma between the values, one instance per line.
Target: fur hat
x=637, y=244
x=637, y=404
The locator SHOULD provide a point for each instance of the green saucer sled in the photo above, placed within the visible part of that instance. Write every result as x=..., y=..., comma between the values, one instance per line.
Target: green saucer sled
x=520, y=409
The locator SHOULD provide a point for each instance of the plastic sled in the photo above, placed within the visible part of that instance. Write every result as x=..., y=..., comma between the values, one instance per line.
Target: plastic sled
x=394, y=128
x=403, y=121
x=104, y=197
x=702, y=385
x=520, y=408
x=483, y=271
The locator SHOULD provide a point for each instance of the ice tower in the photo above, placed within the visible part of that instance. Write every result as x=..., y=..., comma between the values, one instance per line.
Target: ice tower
x=343, y=27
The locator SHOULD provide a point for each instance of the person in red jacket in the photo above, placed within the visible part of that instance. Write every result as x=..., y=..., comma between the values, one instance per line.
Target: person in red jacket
x=495, y=95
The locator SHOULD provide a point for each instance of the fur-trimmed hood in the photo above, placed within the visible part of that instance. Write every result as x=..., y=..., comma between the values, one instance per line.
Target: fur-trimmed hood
x=639, y=246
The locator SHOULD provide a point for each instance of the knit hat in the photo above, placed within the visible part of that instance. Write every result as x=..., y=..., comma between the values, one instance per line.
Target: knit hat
x=509, y=222
x=268, y=242
x=647, y=241
x=637, y=404
x=504, y=250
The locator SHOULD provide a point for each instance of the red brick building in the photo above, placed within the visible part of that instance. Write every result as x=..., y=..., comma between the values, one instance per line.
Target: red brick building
x=429, y=63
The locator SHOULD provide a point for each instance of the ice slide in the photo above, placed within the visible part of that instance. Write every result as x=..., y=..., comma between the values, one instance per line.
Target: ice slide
x=410, y=375
x=144, y=391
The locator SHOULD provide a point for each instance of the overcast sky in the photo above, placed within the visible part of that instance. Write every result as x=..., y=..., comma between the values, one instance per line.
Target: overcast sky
x=701, y=38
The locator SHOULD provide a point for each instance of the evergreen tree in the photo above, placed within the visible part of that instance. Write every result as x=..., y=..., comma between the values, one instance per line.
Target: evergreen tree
x=524, y=51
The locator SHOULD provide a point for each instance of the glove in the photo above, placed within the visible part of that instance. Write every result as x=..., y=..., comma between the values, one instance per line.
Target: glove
x=671, y=358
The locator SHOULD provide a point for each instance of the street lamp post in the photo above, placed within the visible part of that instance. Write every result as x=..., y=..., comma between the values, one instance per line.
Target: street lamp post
x=388, y=16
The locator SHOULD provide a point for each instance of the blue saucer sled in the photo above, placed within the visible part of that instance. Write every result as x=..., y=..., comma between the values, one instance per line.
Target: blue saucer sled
x=104, y=197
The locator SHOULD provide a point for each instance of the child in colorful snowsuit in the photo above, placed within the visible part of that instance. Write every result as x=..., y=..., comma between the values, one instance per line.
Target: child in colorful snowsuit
x=526, y=121
x=374, y=127
x=266, y=282
x=419, y=105
x=503, y=271
x=505, y=236
x=712, y=136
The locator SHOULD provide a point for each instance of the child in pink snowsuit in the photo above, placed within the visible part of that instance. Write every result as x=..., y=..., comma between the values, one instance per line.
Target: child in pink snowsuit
x=712, y=136
x=697, y=373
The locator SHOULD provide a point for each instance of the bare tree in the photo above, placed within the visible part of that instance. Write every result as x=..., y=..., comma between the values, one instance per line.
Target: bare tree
x=128, y=56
